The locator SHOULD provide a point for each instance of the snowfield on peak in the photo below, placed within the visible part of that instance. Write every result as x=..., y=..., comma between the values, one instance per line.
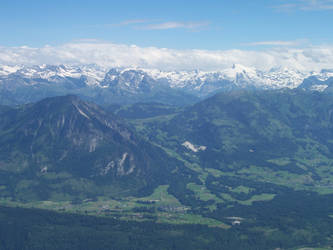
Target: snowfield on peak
x=93, y=73
x=6, y=70
x=324, y=75
x=238, y=74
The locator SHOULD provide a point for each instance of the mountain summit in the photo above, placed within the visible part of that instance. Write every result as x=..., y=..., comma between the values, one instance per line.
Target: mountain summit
x=65, y=138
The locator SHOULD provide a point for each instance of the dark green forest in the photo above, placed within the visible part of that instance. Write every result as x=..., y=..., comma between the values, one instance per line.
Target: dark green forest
x=41, y=229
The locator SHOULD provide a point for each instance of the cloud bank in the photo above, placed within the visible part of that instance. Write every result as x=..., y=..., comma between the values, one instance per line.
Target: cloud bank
x=312, y=58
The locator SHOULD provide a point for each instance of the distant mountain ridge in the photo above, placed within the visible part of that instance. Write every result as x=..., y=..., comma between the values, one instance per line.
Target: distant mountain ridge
x=23, y=84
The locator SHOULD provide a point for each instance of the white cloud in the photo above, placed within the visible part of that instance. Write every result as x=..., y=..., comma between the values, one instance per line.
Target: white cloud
x=306, y=5
x=149, y=24
x=175, y=25
x=133, y=21
x=274, y=43
x=316, y=5
x=312, y=58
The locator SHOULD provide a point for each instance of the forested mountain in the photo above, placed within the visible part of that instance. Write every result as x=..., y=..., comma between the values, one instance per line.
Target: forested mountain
x=246, y=163
x=63, y=145
x=259, y=135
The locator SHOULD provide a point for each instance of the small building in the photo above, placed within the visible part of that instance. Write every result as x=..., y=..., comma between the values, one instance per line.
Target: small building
x=236, y=222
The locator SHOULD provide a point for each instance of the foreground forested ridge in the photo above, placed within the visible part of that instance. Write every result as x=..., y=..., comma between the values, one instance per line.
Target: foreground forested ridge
x=42, y=229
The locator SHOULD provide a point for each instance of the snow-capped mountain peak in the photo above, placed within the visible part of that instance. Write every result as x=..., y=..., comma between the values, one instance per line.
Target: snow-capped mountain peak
x=135, y=79
x=92, y=73
x=6, y=70
x=325, y=74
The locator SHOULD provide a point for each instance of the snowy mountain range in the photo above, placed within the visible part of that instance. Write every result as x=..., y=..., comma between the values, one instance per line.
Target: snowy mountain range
x=132, y=81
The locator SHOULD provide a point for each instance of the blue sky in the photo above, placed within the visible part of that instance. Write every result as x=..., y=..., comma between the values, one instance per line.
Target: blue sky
x=169, y=35
x=209, y=25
